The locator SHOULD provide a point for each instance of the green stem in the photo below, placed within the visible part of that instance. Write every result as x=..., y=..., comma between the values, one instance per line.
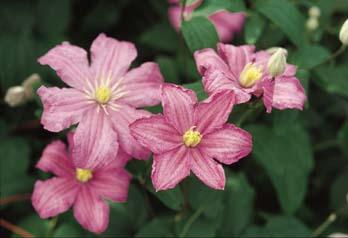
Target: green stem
x=334, y=55
x=329, y=220
x=249, y=112
x=325, y=145
x=190, y=221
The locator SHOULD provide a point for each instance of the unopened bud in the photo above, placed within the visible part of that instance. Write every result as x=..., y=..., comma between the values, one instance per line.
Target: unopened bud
x=344, y=33
x=29, y=83
x=312, y=23
x=314, y=12
x=277, y=62
x=272, y=50
x=15, y=96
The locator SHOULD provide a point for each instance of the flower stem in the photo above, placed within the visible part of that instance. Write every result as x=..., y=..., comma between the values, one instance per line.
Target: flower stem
x=334, y=55
x=191, y=220
x=329, y=220
x=14, y=198
x=15, y=229
x=249, y=112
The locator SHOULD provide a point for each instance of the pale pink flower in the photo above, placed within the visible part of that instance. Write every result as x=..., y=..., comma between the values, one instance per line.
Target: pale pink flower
x=81, y=188
x=226, y=23
x=103, y=98
x=191, y=136
x=240, y=69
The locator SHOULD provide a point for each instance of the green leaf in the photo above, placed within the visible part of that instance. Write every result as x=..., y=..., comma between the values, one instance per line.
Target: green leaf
x=286, y=16
x=198, y=88
x=339, y=191
x=161, y=37
x=333, y=79
x=199, y=33
x=14, y=165
x=69, y=230
x=309, y=56
x=172, y=198
x=209, y=7
x=286, y=155
x=281, y=226
x=158, y=227
x=168, y=69
x=239, y=199
x=343, y=138
x=35, y=225
x=253, y=28
x=203, y=197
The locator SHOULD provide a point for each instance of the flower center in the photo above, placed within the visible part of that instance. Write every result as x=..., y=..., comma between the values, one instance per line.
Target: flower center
x=250, y=75
x=103, y=94
x=192, y=138
x=83, y=175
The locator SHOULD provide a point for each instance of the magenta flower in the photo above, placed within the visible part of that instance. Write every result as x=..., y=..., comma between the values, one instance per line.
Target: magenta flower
x=245, y=72
x=191, y=136
x=226, y=23
x=103, y=98
x=84, y=189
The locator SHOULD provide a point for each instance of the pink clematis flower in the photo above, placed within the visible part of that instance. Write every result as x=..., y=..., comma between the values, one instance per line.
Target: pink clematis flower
x=191, y=136
x=84, y=189
x=103, y=98
x=240, y=69
x=226, y=23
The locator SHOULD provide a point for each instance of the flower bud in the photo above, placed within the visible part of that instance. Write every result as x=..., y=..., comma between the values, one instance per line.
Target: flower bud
x=312, y=23
x=277, y=62
x=344, y=33
x=29, y=83
x=314, y=12
x=15, y=96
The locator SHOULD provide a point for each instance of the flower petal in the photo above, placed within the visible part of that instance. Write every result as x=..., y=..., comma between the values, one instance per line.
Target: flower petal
x=208, y=59
x=227, y=24
x=207, y=170
x=142, y=86
x=111, y=183
x=121, y=120
x=111, y=58
x=156, y=134
x=213, y=112
x=62, y=107
x=227, y=145
x=178, y=103
x=95, y=141
x=70, y=62
x=287, y=93
x=55, y=159
x=91, y=211
x=236, y=56
x=169, y=168
x=54, y=196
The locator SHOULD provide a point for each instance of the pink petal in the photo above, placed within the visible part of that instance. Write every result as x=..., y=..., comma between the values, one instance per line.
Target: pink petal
x=209, y=59
x=111, y=58
x=54, y=196
x=120, y=121
x=156, y=134
x=207, y=170
x=215, y=81
x=95, y=141
x=70, y=62
x=227, y=24
x=91, y=211
x=236, y=56
x=178, y=103
x=111, y=183
x=267, y=98
x=213, y=112
x=120, y=160
x=287, y=93
x=170, y=168
x=55, y=159
x=174, y=17
x=142, y=86
x=62, y=107
x=227, y=145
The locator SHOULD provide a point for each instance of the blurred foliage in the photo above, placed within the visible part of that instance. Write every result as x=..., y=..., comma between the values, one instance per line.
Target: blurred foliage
x=297, y=173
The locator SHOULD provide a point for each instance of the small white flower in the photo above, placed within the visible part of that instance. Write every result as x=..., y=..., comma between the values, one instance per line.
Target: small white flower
x=344, y=33
x=314, y=12
x=312, y=23
x=277, y=62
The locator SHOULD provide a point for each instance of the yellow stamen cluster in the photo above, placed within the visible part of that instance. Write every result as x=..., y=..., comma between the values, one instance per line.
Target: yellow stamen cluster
x=192, y=138
x=250, y=75
x=103, y=94
x=83, y=175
